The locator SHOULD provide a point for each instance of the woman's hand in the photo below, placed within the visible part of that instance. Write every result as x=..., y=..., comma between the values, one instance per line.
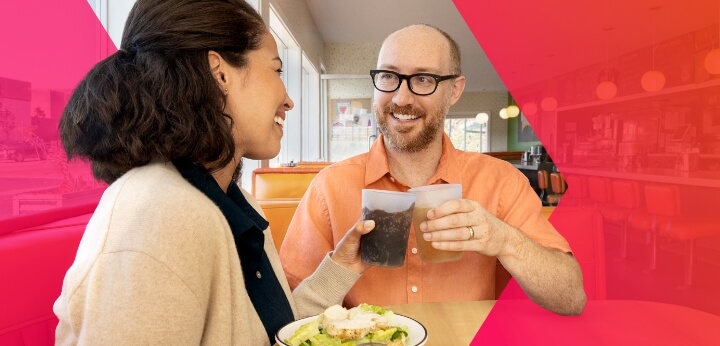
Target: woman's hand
x=464, y=225
x=347, y=251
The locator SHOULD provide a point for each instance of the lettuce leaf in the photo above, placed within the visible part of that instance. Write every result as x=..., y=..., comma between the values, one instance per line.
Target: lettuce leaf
x=304, y=333
x=373, y=308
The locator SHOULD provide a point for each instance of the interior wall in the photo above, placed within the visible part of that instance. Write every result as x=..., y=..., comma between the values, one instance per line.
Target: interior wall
x=350, y=58
x=512, y=137
x=296, y=16
x=487, y=101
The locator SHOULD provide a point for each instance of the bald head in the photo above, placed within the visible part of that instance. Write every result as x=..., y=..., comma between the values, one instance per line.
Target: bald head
x=426, y=37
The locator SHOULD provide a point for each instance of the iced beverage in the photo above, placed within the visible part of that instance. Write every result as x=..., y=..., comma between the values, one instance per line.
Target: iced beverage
x=426, y=198
x=392, y=212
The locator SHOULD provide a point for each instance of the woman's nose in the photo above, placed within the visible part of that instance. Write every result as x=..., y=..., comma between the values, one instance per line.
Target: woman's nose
x=289, y=104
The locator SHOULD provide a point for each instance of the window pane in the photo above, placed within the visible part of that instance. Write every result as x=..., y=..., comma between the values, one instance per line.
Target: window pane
x=467, y=134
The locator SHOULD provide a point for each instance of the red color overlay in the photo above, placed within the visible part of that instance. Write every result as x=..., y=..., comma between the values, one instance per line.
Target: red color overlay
x=46, y=47
x=625, y=97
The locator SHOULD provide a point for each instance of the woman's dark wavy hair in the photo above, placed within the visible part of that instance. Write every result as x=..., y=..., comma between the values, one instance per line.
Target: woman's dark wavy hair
x=155, y=99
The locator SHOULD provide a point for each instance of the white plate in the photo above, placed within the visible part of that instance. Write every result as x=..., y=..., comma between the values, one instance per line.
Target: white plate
x=417, y=334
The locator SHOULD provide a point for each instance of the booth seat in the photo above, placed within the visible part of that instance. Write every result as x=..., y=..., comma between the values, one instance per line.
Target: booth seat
x=278, y=190
x=279, y=212
x=33, y=262
x=313, y=164
x=286, y=182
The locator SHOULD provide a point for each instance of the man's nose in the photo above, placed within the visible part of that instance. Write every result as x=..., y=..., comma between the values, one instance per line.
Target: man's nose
x=403, y=96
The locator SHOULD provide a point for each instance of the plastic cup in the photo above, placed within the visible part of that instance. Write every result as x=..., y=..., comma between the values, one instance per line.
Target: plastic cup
x=392, y=212
x=426, y=198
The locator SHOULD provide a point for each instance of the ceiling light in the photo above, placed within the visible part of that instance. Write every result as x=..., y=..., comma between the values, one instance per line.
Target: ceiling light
x=513, y=111
x=606, y=90
x=530, y=109
x=548, y=104
x=482, y=118
x=503, y=113
x=653, y=80
x=712, y=61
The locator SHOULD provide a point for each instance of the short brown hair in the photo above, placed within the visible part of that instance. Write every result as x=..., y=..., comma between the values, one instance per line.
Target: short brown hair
x=454, y=51
x=155, y=99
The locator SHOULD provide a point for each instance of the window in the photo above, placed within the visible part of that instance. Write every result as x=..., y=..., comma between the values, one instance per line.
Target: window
x=350, y=122
x=311, y=122
x=100, y=9
x=255, y=4
x=290, y=53
x=283, y=54
x=467, y=134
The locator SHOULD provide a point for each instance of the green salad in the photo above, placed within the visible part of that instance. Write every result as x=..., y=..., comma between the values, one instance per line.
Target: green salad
x=338, y=326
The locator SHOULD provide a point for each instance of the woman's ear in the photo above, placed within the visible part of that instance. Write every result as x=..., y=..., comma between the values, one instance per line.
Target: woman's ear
x=215, y=62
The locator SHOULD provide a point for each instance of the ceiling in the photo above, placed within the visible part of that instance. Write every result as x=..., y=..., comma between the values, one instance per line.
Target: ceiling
x=372, y=20
x=582, y=25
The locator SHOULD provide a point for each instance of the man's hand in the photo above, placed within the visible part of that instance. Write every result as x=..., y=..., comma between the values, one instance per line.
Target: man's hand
x=347, y=251
x=549, y=277
x=464, y=225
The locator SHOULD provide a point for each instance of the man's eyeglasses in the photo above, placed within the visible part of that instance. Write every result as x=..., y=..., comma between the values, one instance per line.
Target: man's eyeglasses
x=419, y=83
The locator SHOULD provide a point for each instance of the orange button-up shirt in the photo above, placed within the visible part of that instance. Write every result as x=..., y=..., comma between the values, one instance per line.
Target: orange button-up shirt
x=332, y=205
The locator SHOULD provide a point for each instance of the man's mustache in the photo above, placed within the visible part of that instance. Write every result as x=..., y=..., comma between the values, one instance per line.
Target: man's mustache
x=408, y=110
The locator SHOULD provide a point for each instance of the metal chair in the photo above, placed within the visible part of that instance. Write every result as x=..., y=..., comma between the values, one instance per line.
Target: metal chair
x=543, y=185
x=558, y=186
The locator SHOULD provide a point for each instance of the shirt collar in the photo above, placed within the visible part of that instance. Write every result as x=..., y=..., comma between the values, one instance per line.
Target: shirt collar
x=245, y=222
x=448, y=171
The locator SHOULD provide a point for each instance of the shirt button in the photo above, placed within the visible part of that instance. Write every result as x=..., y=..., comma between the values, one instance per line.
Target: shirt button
x=414, y=289
x=257, y=273
x=413, y=250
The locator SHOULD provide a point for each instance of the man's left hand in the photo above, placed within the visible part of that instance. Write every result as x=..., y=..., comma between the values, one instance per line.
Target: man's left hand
x=464, y=225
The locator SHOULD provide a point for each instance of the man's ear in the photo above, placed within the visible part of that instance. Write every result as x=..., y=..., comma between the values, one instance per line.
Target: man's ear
x=216, y=62
x=457, y=89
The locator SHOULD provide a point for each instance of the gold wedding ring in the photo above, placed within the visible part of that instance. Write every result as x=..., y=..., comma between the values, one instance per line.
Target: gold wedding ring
x=472, y=232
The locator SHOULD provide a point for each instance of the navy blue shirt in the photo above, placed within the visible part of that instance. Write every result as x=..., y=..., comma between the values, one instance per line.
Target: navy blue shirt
x=247, y=226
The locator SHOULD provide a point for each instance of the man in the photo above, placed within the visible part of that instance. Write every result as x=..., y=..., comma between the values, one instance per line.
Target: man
x=417, y=80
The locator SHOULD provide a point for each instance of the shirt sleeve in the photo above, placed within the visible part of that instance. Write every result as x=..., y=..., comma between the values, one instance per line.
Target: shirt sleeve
x=327, y=286
x=309, y=236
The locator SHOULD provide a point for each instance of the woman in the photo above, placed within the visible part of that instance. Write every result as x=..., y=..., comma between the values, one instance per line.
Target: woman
x=175, y=252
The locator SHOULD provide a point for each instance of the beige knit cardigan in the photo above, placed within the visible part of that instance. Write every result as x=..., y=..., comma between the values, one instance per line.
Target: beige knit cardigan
x=157, y=265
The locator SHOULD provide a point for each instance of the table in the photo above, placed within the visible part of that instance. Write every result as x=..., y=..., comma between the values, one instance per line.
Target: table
x=604, y=322
x=448, y=323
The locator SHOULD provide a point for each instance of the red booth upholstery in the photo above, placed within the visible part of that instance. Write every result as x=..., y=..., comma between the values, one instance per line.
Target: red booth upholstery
x=33, y=263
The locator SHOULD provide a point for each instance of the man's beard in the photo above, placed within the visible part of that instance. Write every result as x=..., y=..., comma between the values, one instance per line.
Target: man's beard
x=398, y=137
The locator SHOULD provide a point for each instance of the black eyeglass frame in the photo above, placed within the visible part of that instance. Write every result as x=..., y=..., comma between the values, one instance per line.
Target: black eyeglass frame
x=406, y=77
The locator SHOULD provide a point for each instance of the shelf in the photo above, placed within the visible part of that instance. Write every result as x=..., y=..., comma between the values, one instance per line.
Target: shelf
x=646, y=95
